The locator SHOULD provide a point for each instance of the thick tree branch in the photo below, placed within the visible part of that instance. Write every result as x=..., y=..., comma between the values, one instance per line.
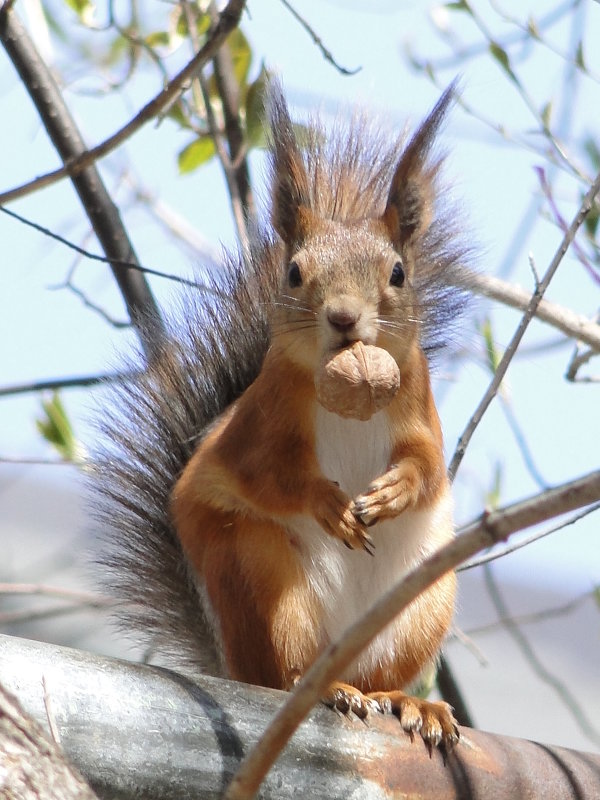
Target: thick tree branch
x=228, y=20
x=164, y=736
x=488, y=530
x=530, y=312
x=100, y=209
x=228, y=89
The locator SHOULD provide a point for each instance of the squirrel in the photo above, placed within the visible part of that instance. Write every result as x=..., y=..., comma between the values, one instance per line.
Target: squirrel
x=250, y=526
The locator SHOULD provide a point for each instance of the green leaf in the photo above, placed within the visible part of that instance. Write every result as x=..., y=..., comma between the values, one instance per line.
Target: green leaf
x=85, y=10
x=460, y=6
x=181, y=26
x=255, y=110
x=593, y=151
x=494, y=494
x=592, y=220
x=546, y=114
x=195, y=154
x=56, y=429
x=493, y=356
x=158, y=39
x=596, y=593
x=532, y=28
x=177, y=113
x=579, y=57
x=241, y=55
x=501, y=56
x=426, y=682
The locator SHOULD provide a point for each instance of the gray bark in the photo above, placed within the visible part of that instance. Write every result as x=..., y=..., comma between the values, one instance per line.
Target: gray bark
x=139, y=731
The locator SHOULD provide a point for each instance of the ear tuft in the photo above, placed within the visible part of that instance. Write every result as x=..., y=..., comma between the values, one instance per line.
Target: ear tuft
x=409, y=208
x=290, y=185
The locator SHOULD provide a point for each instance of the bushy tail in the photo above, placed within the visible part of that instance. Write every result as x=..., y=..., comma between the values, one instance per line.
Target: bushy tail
x=148, y=430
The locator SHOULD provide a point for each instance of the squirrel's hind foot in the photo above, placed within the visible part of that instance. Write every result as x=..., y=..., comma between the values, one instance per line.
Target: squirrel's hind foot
x=434, y=721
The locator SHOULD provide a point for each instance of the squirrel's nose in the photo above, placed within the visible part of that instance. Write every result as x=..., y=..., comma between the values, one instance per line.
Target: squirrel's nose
x=342, y=319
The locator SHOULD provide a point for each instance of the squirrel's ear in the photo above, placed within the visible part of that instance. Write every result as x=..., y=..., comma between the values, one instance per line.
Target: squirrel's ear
x=409, y=206
x=291, y=212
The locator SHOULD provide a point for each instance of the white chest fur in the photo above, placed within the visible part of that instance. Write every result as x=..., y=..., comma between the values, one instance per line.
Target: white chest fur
x=348, y=582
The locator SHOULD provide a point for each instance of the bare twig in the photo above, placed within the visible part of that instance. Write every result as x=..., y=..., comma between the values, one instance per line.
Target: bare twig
x=58, y=383
x=535, y=616
x=564, y=319
x=327, y=55
x=41, y=462
x=50, y=713
x=562, y=224
x=489, y=529
x=532, y=307
x=86, y=598
x=541, y=670
x=96, y=201
x=529, y=539
x=130, y=265
x=228, y=20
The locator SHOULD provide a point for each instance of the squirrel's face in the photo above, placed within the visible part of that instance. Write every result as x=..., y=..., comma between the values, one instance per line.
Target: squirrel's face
x=344, y=283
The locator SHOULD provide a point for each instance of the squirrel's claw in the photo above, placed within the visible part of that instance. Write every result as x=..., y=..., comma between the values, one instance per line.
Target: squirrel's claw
x=387, y=496
x=434, y=721
x=333, y=510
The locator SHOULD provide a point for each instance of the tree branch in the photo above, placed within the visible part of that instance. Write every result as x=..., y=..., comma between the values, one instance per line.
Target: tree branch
x=228, y=89
x=489, y=529
x=33, y=766
x=96, y=201
x=163, y=736
x=564, y=319
x=228, y=20
x=532, y=307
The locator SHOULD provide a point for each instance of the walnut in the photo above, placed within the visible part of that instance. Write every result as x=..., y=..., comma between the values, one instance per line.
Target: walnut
x=357, y=381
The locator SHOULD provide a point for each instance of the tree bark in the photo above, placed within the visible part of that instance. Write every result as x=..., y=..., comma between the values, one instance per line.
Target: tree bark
x=32, y=766
x=138, y=731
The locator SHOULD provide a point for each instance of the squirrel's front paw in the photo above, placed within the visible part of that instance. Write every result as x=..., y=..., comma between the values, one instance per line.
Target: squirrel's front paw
x=332, y=509
x=389, y=495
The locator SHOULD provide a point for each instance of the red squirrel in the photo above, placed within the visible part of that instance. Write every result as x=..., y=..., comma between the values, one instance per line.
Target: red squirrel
x=253, y=525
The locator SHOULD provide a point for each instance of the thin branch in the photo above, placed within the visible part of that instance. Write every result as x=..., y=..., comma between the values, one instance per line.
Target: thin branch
x=40, y=462
x=95, y=199
x=58, y=383
x=562, y=223
x=536, y=616
x=522, y=443
x=72, y=595
x=130, y=265
x=573, y=325
x=578, y=360
x=68, y=284
x=532, y=307
x=327, y=55
x=229, y=19
x=228, y=89
x=529, y=539
x=541, y=670
x=489, y=529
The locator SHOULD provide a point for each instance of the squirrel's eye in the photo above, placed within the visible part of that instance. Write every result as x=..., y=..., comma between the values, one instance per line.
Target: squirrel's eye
x=294, y=276
x=397, y=276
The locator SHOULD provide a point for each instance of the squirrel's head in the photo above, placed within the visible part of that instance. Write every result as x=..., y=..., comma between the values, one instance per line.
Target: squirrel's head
x=354, y=216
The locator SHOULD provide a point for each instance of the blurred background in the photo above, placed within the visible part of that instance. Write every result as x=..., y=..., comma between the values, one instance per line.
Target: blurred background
x=523, y=145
